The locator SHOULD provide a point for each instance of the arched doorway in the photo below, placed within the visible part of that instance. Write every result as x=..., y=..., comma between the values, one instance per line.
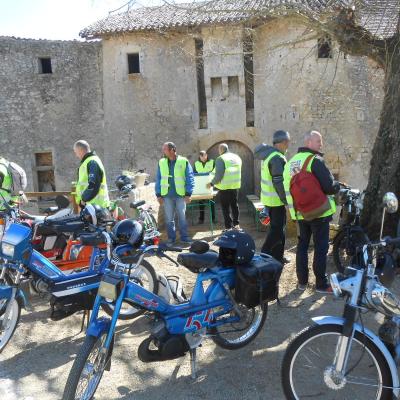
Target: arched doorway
x=247, y=164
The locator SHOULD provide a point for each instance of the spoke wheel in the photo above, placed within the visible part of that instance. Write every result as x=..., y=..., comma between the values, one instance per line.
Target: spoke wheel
x=308, y=370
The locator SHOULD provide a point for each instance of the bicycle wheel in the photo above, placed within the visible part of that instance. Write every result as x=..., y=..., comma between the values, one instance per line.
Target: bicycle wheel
x=308, y=372
x=9, y=324
x=87, y=370
x=7, y=280
x=238, y=334
x=344, y=249
x=146, y=276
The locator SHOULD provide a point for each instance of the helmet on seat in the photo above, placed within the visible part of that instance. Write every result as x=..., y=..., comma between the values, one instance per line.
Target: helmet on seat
x=94, y=214
x=236, y=247
x=130, y=232
x=124, y=184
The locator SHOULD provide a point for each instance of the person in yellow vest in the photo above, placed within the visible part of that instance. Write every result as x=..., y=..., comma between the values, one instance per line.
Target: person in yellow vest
x=273, y=193
x=5, y=183
x=318, y=228
x=174, y=186
x=91, y=186
x=204, y=165
x=227, y=179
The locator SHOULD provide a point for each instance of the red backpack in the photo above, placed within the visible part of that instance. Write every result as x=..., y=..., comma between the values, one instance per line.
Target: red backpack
x=308, y=198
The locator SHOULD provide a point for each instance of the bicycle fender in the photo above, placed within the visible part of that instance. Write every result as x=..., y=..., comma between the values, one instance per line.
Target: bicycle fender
x=98, y=326
x=328, y=320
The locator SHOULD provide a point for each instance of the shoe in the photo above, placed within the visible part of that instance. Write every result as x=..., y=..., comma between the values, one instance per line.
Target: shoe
x=187, y=240
x=324, y=289
x=302, y=286
x=236, y=227
x=170, y=242
x=285, y=260
x=200, y=221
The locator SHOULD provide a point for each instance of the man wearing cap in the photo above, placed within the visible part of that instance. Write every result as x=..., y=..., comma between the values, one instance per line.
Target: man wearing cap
x=174, y=186
x=227, y=179
x=272, y=191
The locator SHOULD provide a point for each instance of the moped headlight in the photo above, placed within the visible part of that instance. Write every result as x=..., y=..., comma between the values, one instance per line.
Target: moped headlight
x=110, y=287
x=7, y=249
x=334, y=281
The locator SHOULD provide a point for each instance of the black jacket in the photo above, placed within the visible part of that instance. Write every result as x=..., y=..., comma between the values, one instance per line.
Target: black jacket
x=95, y=176
x=321, y=172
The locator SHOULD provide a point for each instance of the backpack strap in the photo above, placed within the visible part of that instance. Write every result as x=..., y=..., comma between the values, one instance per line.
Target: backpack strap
x=308, y=159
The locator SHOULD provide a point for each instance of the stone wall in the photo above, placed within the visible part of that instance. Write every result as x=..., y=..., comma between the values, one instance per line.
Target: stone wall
x=49, y=112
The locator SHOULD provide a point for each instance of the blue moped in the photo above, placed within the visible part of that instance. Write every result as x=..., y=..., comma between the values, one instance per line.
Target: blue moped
x=232, y=313
x=69, y=292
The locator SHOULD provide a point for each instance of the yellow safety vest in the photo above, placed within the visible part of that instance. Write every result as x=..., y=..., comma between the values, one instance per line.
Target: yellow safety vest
x=179, y=175
x=207, y=167
x=233, y=172
x=102, y=199
x=7, y=183
x=269, y=197
x=292, y=167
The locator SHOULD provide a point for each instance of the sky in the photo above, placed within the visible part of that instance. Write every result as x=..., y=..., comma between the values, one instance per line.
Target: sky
x=56, y=19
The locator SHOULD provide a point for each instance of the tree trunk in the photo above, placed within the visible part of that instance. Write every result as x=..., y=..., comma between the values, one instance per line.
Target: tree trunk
x=384, y=175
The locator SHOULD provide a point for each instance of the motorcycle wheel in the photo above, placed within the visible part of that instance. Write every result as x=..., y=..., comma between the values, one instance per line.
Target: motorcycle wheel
x=344, y=249
x=236, y=335
x=146, y=276
x=308, y=372
x=8, y=326
x=87, y=370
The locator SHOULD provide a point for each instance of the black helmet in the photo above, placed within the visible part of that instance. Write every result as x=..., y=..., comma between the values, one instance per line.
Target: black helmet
x=235, y=247
x=122, y=180
x=129, y=231
x=94, y=214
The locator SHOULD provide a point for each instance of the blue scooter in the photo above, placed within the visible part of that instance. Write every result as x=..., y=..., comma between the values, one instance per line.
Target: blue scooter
x=230, y=311
x=69, y=293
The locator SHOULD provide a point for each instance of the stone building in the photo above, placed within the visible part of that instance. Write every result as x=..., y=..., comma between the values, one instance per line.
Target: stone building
x=194, y=76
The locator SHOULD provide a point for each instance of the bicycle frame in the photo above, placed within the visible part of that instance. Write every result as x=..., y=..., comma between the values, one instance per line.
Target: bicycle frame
x=199, y=313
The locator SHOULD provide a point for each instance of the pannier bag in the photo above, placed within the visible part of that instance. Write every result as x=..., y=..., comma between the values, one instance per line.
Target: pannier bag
x=258, y=281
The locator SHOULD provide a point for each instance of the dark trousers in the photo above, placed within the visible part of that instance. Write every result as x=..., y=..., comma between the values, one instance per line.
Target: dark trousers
x=202, y=207
x=229, y=201
x=319, y=229
x=274, y=244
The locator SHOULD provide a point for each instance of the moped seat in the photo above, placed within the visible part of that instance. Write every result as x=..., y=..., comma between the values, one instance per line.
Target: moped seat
x=196, y=262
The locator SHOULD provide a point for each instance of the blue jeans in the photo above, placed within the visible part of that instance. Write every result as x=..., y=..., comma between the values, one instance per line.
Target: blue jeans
x=174, y=205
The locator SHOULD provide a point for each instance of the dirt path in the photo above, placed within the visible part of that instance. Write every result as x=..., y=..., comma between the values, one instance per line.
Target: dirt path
x=36, y=363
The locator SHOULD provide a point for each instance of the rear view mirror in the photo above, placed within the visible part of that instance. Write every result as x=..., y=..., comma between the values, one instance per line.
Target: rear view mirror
x=390, y=202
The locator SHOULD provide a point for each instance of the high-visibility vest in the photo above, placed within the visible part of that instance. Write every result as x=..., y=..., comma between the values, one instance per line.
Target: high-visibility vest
x=7, y=183
x=207, y=167
x=292, y=167
x=102, y=199
x=179, y=175
x=269, y=196
x=233, y=169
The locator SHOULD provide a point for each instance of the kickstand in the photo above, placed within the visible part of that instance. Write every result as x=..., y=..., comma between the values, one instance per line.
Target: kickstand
x=86, y=314
x=193, y=359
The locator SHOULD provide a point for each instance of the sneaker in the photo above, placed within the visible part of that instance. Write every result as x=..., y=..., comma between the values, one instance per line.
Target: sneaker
x=302, y=286
x=324, y=289
x=285, y=260
x=170, y=242
x=236, y=227
x=187, y=240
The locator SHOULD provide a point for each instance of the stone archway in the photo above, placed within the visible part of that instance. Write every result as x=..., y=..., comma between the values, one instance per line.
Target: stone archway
x=247, y=164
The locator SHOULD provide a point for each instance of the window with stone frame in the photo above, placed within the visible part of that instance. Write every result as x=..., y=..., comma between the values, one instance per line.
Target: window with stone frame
x=45, y=65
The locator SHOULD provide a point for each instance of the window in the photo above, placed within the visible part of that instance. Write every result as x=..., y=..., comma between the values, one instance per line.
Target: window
x=248, y=78
x=216, y=88
x=201, y=88
x=325, y=47
x=133, y=63
x=45, y=65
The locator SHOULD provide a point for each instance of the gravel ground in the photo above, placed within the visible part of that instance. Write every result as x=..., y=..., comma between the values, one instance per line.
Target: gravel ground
x=36, y=363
